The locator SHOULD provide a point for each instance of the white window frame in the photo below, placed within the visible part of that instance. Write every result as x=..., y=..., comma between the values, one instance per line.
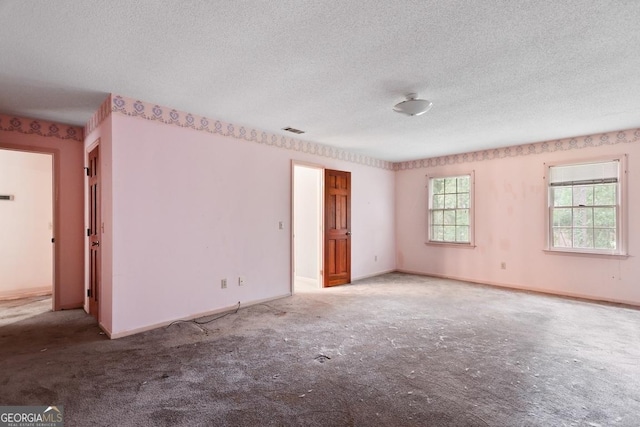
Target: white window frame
x=472, y=181
x=621, y=205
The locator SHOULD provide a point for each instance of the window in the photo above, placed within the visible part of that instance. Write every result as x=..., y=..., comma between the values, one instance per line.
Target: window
x=585, y=212
x=450, y=217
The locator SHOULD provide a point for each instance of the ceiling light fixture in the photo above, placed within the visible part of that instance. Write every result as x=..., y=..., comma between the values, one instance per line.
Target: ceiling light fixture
x=413, y=106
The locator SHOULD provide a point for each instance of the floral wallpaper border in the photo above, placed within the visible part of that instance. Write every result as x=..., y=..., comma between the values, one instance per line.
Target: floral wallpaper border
x=135, y=108
x=98, y=117
x=576, y=143
x=40, y=128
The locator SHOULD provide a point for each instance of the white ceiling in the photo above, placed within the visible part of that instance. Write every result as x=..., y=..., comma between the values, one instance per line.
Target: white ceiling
x=500, y=72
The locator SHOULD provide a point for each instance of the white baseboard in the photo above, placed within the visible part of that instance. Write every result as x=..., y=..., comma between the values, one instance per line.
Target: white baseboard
x=25, y=293
x=525, y=288
x=367, y=276
x=190, y=317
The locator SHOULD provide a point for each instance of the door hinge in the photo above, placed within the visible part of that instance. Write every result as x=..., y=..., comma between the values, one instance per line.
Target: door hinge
x=87, y=171
x=53, y=240
x=88, y=232
x=89, y=293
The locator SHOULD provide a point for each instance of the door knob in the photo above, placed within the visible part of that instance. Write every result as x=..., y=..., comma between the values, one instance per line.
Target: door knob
x=95, y=243
x=348, y=233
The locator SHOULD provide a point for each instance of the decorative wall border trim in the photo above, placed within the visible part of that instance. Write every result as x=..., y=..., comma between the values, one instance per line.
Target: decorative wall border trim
x=148, y=111
x=576, y=143
x=40, y=127
x=99, y=116
x=134, y=108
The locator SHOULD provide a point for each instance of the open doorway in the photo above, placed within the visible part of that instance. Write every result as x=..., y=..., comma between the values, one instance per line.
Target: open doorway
x=307, y=227
x=26, y=217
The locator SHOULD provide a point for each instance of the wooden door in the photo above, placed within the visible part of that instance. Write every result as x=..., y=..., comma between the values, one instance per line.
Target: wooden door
x=337, y=227
x=93, y=232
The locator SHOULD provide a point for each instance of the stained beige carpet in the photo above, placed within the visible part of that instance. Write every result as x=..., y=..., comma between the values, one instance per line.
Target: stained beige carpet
x=396, y=350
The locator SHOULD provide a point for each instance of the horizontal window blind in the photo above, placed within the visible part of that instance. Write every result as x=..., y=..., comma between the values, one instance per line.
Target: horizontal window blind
x=586, y=173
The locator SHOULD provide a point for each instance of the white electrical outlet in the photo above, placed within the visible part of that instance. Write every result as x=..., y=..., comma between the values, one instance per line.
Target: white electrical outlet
x=240, y=281
x=223, y=283
x=503, y=265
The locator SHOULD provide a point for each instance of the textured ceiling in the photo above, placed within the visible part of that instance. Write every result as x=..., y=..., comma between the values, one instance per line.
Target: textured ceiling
x=500, y=72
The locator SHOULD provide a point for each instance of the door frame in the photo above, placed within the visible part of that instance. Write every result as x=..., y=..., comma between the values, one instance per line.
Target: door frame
x=87, y=246
x=321, y=168
x=55, y=167
x=321, y=254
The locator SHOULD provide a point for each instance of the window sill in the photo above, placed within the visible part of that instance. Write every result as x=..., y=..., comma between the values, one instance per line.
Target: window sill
x=451, y=244
x=586, y=254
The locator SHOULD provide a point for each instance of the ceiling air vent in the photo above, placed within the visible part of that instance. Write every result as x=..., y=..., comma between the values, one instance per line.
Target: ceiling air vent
x=293, y=130
x=6, y=197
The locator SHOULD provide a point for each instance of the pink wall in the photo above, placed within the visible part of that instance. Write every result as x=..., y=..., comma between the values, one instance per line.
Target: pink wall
x=510, y=214
x=192, y=207
x=64, y=142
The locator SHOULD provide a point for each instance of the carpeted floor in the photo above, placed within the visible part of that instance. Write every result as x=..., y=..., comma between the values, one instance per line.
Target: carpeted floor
x=395, y=350
x=15, y=310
